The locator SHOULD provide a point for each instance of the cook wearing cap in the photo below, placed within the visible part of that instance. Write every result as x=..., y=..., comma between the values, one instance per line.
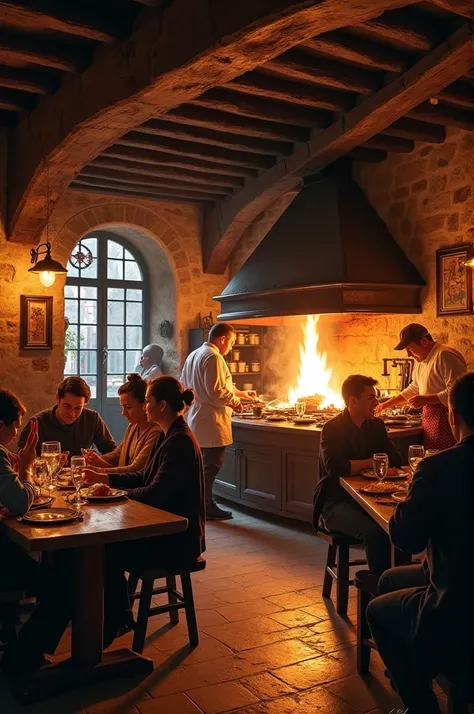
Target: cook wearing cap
x=437, y=368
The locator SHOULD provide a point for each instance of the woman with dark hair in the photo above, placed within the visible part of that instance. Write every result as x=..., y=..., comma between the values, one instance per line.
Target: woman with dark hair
x=132, y=453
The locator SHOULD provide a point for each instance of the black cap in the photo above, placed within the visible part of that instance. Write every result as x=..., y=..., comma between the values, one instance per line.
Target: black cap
x=411, y=333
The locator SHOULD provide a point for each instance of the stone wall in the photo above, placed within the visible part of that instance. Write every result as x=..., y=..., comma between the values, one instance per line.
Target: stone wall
x=174, y=228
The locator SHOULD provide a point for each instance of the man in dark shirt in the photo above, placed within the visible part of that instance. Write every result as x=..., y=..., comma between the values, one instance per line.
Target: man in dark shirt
x=348, y=443
x=70, y=423
x=422, y=622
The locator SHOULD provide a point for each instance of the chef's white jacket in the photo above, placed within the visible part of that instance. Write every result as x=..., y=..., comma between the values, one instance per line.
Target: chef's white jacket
x=210, y=415
x=437, y=373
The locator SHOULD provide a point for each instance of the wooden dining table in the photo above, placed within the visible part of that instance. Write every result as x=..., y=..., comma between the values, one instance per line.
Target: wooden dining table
x=103, y=523
x=380, y=512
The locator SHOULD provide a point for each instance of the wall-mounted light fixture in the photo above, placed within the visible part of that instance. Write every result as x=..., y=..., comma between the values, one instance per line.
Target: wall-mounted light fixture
x=46, y=267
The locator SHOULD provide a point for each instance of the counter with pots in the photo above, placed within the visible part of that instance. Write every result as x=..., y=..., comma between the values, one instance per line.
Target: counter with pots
x=273, y=466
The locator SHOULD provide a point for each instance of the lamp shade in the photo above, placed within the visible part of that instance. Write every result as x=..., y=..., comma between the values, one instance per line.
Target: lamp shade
x=48, y=265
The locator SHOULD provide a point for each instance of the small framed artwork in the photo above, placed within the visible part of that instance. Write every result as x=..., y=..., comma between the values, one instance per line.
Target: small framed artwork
x=36, y=322
x=454, y=280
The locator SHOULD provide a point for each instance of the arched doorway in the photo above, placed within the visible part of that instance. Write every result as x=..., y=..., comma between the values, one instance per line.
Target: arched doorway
x=106, y=306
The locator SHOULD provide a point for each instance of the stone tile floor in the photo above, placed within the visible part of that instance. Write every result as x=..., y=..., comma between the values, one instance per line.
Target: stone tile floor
x=269, y=643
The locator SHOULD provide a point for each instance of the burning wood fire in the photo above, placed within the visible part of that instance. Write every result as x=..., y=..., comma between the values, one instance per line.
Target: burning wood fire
x=314, y=375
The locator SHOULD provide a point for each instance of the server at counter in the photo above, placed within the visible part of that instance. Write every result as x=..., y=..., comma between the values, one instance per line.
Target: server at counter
x=437, y=368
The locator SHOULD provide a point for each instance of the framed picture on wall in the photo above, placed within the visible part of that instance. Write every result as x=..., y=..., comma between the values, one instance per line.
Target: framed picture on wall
x=36, y=322
x=454, y=280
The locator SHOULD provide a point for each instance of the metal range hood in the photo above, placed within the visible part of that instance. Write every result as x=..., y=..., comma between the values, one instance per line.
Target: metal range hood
x=329, y=252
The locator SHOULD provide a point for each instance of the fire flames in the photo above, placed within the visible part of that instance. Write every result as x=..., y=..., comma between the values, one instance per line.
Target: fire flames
x=314, y=375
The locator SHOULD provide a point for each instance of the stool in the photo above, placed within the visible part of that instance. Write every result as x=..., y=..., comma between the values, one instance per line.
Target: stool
x=9, y=602
x=176, y=600
x=337, y=567
x=365, y=642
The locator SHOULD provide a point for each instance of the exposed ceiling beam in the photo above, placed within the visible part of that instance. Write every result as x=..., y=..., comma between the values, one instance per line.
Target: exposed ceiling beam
x=188, y=148
x=264, y=85
x=459, y=93
x=15, y=100
x=349, y=48
x=390, y=143
x=444, y=114
x=80, y=20
x=179, y=193
x=400, y=30
x=307, y=68
x=225, y=224
x=113, y=177
x=108, y=191
x=156, y=158
x=458, y=7
x=184, y=175
x=262, y=108
x=164, y=64
x=27, y=80
x=417, y=130
x=189, y=132
x=44, y=53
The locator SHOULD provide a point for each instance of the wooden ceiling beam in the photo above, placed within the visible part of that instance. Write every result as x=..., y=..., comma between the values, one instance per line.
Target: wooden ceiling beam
x=390, y=143
x=296, y=65
x=444, y=114
x=416, y=130
x=460, y=94
x=15, y=100
x=198, y=115
x=149, y=181
x=264, y=85
x=88, y=188
x=189, y=132
x=26, y=80
x=14, y=48
x=80, y=20
x=367, y=155
x=158, y=159
x=99, y=183
x=188, y=148
x=400, y=29
x=225, y=224
x=183, y=175
x=350, y=48
x=262, y=108
x=458, y=7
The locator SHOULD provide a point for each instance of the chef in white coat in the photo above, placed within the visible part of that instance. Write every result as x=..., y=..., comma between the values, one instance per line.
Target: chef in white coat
x=437, y=368
x=210, y=415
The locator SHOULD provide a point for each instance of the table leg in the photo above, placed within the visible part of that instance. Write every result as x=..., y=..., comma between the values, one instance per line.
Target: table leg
x=87, y=624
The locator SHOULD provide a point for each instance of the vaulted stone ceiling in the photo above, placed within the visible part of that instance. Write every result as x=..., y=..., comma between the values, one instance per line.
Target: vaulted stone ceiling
x=227, y=105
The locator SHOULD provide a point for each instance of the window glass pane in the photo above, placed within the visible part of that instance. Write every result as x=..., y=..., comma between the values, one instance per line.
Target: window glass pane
x=88, y=362
x=70, y=339
x=70, y=291
x=134, y=313
x=88, y=292
x=89, y=311
x=115, y=361
x=115, y=293
x=133, y=361
x=134, y=294
x=132, y=271
x=88, y=337
x=115, y=337
x=90, y=243
x=92, y=382
x=128, y=255
x=114, y=381
x=114, y=250
x=71, y=310
x=90, y=271
x=71, y=272
x=115, y=270
x=115, y=313
x=134, y=337
x=71, y=362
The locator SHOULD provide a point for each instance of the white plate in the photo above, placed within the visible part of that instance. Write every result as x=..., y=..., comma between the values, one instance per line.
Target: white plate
x=369, y=473
x=399, y=496
x=51, y=516
x=377, y=489
x=114, y=496
x=276, y=417
x=41, y=502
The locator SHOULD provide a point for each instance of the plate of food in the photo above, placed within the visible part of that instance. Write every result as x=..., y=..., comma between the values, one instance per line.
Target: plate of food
x=41, y=501
x=51, y=516
x=304, y=420
x=392, y=473
x=275, y=417
x=64, y=480
x=399, y=496
x=375, y=489
x=102, y=492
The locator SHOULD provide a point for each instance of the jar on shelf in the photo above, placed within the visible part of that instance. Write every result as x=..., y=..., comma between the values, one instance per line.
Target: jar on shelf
x=241, y=367
x=240, y=338
x=232, y=367
x=255, y=366
x=236, y=355
x=252, y=339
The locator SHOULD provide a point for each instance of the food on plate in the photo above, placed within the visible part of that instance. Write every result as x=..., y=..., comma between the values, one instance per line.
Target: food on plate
x=99, y=489
x=380, y=488
x=392, y=471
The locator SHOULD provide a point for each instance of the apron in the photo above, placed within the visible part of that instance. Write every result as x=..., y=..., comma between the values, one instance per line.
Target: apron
x=437, y=433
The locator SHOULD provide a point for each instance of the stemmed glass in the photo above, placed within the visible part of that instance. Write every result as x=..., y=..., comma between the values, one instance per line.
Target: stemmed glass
x=416, y=453
x=51, y=453
x=78, y=464
x=380, y=465
x=430, y=452
x=40, y=472
x=300, y=407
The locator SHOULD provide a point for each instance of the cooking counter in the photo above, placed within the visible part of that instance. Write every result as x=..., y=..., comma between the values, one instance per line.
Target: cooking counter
x=273, y=466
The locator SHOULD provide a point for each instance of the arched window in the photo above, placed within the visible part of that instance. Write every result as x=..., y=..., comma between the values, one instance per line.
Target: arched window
x=106, y=303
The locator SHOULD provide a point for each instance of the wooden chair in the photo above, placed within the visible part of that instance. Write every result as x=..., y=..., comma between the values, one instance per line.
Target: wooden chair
x=337, y=567
x=9, y=602
x=176, y=600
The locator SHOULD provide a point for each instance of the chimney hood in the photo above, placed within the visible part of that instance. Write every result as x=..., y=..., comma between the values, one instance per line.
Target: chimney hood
x=329, y=252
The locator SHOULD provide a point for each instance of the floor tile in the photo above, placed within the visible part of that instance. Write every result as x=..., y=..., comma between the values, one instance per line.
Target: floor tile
x=222, y=697
x=280, y=654
x=174, y=704
x=243, y=611
x=311, y=672
x=266, y=686
x=294, y=618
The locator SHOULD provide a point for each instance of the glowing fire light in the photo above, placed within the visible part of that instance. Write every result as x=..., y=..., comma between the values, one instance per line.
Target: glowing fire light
x=314, y=376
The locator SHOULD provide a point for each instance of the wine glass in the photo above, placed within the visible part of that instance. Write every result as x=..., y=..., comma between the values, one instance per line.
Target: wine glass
x=380, y=465
x=300, y=407
x=416, y=453
x=40, y=473
x=78, y=464
x=430, y=452
x=51, y=452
